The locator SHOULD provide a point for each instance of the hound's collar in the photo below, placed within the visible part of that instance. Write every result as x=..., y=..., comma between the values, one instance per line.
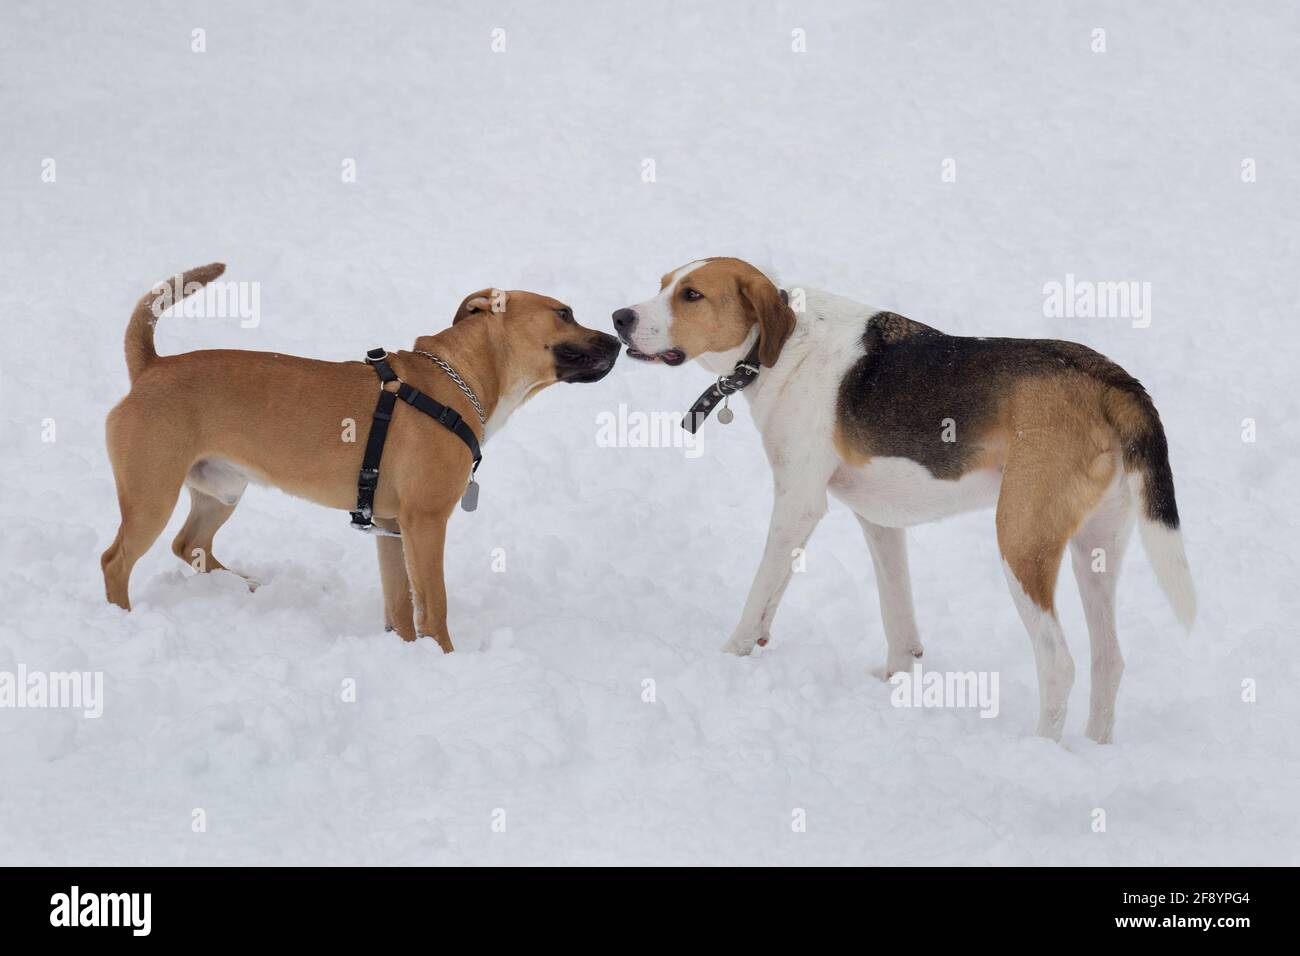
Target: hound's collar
x=740, y=377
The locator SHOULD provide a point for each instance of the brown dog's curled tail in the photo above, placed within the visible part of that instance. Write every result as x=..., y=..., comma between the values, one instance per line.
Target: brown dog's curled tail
x=139, y=331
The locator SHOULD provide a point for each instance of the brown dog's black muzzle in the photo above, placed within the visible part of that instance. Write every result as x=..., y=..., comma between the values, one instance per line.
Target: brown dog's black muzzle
x=588, y=361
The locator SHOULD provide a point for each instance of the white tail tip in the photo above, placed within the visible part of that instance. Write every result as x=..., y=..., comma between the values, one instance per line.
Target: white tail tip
x=1164, y=548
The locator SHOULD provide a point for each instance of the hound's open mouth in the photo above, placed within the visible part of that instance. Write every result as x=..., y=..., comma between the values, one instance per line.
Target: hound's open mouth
x=670, y=357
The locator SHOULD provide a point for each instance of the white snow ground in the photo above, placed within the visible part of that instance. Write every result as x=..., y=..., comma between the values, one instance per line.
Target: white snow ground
x=523, y=169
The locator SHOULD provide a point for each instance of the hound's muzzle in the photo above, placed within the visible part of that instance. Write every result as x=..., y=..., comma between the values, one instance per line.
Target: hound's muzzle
x=625, y=321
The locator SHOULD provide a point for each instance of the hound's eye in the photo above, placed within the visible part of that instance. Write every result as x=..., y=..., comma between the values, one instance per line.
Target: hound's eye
x=565, y=313
x=691, y=295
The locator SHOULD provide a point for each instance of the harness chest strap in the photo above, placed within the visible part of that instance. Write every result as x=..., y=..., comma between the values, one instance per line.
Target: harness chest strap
x=449, y=418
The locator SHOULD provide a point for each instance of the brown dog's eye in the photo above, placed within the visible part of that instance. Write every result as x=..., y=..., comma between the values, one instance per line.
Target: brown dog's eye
x=565, y=313
x=690, y=295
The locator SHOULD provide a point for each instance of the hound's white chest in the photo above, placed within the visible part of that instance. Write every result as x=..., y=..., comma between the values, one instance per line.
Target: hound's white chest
x=897, y=492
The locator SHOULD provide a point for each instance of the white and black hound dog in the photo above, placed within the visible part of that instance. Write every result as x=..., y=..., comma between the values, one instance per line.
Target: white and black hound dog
x=905, y=424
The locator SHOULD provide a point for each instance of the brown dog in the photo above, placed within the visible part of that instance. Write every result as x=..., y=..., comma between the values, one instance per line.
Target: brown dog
x=215, y=420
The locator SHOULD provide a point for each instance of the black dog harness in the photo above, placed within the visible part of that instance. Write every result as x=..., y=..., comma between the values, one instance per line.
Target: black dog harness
x=449, y=418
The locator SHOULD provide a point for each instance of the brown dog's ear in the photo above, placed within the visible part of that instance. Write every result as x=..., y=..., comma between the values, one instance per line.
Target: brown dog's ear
x=485, y=300
x=774, y=317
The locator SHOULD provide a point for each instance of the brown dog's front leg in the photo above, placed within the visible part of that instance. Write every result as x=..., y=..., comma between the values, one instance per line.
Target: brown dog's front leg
x=398, y=613
x=423, y=537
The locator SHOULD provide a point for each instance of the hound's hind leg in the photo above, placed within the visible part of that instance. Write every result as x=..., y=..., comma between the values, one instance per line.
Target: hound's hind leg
x=1096, y=552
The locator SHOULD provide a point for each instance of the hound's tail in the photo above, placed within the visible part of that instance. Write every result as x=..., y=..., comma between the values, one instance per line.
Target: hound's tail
x=139, y=331
x=1133, y=415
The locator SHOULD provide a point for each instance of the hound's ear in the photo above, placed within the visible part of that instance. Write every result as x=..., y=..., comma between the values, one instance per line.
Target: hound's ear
x=486, y=300
x=774, y=317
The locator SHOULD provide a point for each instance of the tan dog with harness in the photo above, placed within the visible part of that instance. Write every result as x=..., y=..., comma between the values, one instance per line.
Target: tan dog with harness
x=215, y=420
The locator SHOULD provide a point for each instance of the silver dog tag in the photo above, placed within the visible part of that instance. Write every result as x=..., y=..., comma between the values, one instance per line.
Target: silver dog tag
x=725, y=414
x=469, y=501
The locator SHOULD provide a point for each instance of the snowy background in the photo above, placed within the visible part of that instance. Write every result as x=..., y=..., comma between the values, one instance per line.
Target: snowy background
x=523, y=169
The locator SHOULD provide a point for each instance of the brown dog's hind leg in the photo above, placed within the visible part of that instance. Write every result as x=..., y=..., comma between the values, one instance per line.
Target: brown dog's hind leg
x=399, y=614
x=193, y=543
x=146, y=496
x=424, y=535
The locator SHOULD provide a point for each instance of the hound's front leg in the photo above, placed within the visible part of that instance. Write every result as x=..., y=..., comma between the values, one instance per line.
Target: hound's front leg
x=424, y=534
x=799, y=505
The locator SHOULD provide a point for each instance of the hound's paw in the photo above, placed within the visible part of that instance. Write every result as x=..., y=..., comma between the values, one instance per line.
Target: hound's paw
x=900, y=661
x=739, y=646
x=1051, y=724
x=1101, y=732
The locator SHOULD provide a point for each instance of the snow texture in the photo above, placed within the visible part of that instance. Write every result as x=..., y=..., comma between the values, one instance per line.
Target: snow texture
x=524, y=169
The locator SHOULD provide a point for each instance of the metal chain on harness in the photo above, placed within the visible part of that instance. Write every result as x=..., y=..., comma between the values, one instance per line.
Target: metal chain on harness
x=460, y=383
